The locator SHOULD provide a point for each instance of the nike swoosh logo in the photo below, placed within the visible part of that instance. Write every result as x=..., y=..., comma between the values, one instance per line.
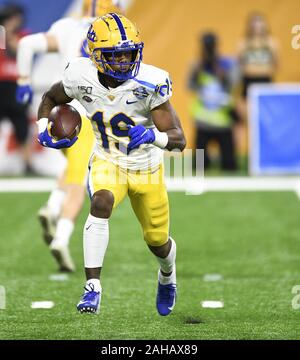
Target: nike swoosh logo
x=131, y=102
x=174, y=301
x=88, y=227
x=172, y=307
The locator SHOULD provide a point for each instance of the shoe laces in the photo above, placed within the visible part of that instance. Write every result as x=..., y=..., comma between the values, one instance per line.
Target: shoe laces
x=89, y=287
x=90, y=292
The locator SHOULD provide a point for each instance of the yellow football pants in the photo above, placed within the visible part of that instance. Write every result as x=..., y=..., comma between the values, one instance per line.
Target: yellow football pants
x=79, y=154
x=146, y=190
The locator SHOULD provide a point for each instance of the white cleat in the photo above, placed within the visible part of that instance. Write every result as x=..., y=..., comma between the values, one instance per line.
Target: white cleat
x=48, y=223
x=63, y=257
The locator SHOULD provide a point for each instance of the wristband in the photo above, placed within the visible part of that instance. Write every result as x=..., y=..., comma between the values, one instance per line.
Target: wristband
x=42, y=124
x=161, y=139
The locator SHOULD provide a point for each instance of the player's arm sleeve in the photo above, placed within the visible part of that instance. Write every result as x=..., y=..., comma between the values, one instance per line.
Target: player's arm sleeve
x=59, y=30
x=69, y=81
x=40, y=43
x=29, y=46
x=162, y=92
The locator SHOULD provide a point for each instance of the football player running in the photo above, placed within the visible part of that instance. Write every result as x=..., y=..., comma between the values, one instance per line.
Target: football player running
x=68, y=38
x=128, y=103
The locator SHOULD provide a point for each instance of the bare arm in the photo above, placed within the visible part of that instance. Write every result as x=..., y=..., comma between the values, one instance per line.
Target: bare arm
x=166, y=120
x=55, y=96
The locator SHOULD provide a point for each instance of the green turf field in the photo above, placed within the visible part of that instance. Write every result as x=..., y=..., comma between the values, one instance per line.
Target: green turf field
x=252, y=239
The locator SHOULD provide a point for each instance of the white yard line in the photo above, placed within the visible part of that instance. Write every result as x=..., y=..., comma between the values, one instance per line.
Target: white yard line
x=214, y=184
x=212, y=277
x=59, y=277
x=212, y=304
x=27, y=185
x=188, y=185
x=42, y=305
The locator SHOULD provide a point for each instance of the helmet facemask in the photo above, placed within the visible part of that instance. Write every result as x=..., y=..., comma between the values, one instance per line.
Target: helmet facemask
x=106, y=58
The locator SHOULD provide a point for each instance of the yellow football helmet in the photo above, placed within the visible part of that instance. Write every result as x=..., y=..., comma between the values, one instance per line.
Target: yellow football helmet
x=95, y=8
x=112, y=34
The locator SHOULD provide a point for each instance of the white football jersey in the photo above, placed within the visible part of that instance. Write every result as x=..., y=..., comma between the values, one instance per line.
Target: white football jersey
x=112, y=110
x=70, y=35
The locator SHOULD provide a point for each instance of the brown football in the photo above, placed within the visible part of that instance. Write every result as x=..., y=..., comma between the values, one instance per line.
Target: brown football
x=65, y=122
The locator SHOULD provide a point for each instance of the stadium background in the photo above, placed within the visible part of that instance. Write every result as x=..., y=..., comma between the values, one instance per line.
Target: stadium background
x=171, y=38
x=250, y=239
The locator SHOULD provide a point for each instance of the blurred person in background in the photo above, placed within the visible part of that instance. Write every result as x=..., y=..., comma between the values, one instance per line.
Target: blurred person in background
x=212, y=109
x=257, y=53
x=258, y=62
x=68, y=38
x=12, y=19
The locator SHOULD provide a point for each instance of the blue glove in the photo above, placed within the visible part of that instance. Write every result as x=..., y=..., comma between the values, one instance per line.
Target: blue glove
x=46, y=140
x=24, y=94
x=139, y=135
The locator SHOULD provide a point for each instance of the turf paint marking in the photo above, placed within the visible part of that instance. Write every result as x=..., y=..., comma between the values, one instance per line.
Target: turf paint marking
x=58, y=277
x=212, y=304
x=42, y=305
x=188, y=185
x=212, y=277
x=297, y=190
x=296, y=298
x=2, y=298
